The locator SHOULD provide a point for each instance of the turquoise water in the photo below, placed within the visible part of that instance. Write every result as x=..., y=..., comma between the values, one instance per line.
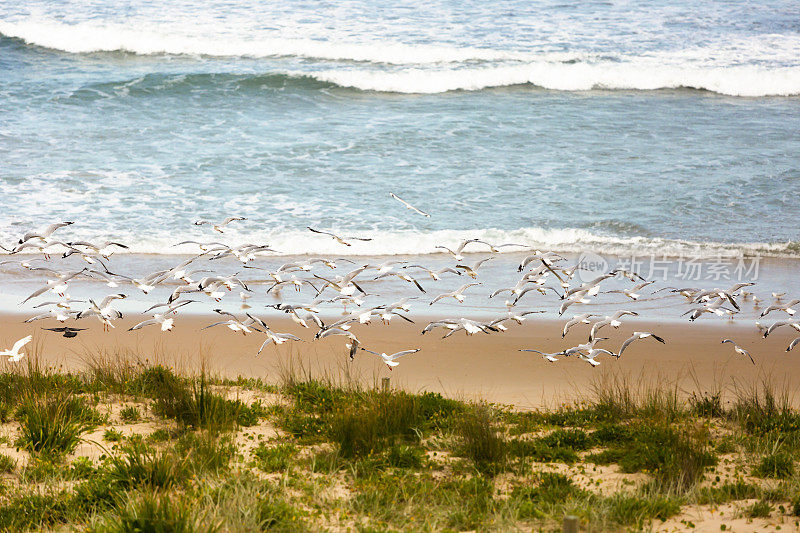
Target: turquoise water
x=615, y=127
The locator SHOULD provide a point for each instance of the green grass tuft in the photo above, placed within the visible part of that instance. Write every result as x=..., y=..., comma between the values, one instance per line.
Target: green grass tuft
x=779, y=465
x=154, y=513
x=138, y=465
x=276, y=458
x=130, y=414
x=54, y=424
x=481, y=440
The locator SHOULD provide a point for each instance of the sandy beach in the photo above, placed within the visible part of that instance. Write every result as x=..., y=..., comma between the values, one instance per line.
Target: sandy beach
x=487, y=367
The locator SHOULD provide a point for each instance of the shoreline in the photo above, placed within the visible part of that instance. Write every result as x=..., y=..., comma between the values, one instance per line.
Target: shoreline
x=478, y=367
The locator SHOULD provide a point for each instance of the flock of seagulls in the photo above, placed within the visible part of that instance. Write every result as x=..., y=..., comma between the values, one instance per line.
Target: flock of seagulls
x=337, y=283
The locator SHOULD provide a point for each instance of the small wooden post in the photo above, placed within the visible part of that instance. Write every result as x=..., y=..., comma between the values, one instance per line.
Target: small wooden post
x=384, y=384
x=570, y=524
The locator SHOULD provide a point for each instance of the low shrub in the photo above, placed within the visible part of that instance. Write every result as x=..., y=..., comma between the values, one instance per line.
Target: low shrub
x=54, y=424
x=779, y=465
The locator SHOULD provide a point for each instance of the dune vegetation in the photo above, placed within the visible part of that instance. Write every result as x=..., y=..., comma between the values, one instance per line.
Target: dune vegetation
x=131, y=446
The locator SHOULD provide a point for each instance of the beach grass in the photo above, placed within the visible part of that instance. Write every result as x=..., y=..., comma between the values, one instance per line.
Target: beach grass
x=138, y=447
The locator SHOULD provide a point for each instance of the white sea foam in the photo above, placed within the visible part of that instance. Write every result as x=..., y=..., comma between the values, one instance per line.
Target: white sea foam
x=298, y=242
x=89, y=37
x=749, y=67
x=634, y=75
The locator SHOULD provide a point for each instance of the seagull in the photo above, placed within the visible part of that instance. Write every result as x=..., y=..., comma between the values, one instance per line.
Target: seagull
x=495, y=248
x=631, y=275
x=590, y=287
x=305, y=318
x=469, y=326
x=43, y=247
x=612, y=320
x=67, y=331
x=103, y=249
x=340, y=240
x=472, y=270
x=163, y=319
x=526, y=290
x=715, y=307
x=149, y=282
x=218, y=226
x=390, y=310
x=544, y=257
x=295, y=281
x=104, y=312
x=457, y=294
x=586, y=347
x=593, y=353
x=233, y=324
x=408, y=205
x=244, y=253
x=636, y=336
x=159, y=318
x=457, y=252
x=390, y=359
x=632, y=293
x=577, y=319
x=57, y=286
x=549, y=356
x=44, y=233
x=14, y=354
x=721, y=293
x=276, y=338
x=793, y=344
x=58, y=312
x=344, y=284
x=788, y=307
x=352, y=346
x=519, y=318
x=792, y=323
x=386, y=266
x=404, y=277
x=435, y=275
x=738, y=349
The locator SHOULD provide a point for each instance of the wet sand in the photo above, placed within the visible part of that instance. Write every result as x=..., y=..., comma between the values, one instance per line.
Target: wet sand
x=488, y=367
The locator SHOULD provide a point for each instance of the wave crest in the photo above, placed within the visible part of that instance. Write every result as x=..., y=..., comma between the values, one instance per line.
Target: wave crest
x=296, y=242
x=428, y=69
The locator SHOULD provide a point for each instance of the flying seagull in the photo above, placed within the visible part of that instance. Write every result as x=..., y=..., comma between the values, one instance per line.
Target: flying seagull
x=408, y=205
x=390, y=359
x=738, y=349
x=635, y=337
x=14, y=354
x=335, y=237
x=218, y=226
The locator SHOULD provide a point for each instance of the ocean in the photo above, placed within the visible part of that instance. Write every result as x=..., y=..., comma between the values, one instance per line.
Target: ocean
x=613, y=127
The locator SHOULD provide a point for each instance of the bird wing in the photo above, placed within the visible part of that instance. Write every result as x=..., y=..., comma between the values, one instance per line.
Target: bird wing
x=532, y=350
x=22, y=342
x=408, y=205
x=439, y=298
x=402, y=353
x=46, y=232
x=309, y=228
x=464, y=244
x=140, y=325
x=625, y=345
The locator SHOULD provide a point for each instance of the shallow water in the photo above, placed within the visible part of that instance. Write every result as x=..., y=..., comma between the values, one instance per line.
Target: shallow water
x=665, y=127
